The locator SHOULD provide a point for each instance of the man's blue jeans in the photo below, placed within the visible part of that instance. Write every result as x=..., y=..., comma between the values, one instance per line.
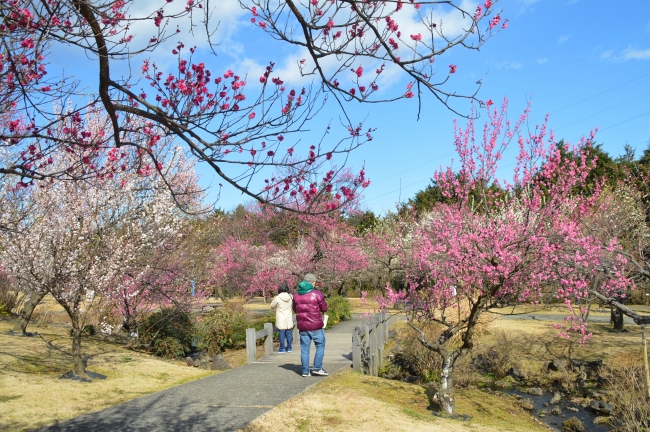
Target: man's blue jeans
x=286, y=336
x=318, y=336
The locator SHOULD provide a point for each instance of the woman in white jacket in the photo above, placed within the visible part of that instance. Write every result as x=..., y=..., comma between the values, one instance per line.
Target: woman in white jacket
x=283, y=305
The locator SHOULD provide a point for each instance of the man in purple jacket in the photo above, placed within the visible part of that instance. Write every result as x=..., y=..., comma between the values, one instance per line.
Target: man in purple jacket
x=309, y=305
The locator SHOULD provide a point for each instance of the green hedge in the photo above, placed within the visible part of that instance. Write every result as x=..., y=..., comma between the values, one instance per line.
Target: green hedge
x=339, y=309
x=225, y=328
x=169, y=332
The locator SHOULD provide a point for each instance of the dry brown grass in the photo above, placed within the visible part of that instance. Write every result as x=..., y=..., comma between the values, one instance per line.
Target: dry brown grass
x=561, y=309
x=349, y=401
x=538, y=340
x=32, y=395
x=359, y=306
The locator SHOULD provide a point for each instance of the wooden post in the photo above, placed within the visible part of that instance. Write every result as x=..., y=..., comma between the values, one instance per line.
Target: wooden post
x=645, y=360
x=296, y=332
x=268, y=342
x=373, y=351
x=366, y=347
x=250, y=345
x=385, y=325
x=356, y=349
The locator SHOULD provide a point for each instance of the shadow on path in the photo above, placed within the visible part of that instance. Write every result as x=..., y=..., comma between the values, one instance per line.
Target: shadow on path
x=224, y=402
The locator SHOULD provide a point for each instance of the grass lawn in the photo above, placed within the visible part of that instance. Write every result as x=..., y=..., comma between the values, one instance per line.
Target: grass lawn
x=32, y=395
x=349, y=401
x=538, y=340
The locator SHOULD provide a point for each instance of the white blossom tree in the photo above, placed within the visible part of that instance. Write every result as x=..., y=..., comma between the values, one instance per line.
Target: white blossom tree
x=80, y=236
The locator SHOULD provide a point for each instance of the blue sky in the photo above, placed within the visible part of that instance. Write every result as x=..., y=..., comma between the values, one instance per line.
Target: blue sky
x=586, y=62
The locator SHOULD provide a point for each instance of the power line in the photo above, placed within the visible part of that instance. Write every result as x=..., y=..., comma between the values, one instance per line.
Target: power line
x=553, y=112
x=600, y=112
x=396, y=190
x=438, y=158
x=601, y=93
x=625, y=121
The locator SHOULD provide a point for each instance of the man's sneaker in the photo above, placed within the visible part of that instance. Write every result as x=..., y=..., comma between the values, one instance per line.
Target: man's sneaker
x=306, y=374
x=289, y=350
x=281, y=351
x=320, y=372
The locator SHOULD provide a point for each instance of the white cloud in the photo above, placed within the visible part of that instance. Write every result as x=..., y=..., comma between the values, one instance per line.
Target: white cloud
x=628, y=53
x=635, y=54
x=225, y=20
x=541, y=60
x=449, y=20
x=562, y=39
x=510, y=65
x=226, y=16
x=526, y=6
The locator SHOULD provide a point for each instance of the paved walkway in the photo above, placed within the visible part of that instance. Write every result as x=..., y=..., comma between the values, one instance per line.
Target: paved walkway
x=224, y=402
x=560, y=318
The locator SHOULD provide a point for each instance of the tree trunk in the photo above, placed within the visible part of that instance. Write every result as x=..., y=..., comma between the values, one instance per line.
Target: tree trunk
x=585, y=318
x=645, y=361
x=340, y=291
x=130, y=323
x=28, y=309
x=77, y=360
x=221, y=295
x=446, y=392
x=617, y=319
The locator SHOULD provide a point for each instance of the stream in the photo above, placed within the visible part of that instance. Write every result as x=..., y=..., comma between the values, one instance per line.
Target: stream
x=568, y=408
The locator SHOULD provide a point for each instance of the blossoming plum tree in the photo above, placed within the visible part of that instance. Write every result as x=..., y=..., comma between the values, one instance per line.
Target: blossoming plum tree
x=511, y=242
x=237, y=130
x=356, y=41
x=81, y=236
x=284, y=246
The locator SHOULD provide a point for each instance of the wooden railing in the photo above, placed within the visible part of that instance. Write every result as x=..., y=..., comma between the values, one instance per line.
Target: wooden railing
x=251, y=341
x=368, y=344
x=253, y=335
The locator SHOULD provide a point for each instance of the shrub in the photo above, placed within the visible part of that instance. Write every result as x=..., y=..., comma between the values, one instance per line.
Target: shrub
x=501, y=354
x=414, y=358
x=168, y=347
x=626, y=387
x=89, y=329
x=10, y=298
x=168, y=323
x=339, y=309
x=223, y=328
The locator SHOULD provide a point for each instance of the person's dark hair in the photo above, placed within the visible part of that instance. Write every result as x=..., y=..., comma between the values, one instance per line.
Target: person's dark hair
x=283, y=288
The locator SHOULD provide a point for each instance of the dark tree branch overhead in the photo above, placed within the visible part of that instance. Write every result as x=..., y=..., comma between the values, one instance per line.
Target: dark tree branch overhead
x=638, y=319
x=356, y=37
x=238, y=131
